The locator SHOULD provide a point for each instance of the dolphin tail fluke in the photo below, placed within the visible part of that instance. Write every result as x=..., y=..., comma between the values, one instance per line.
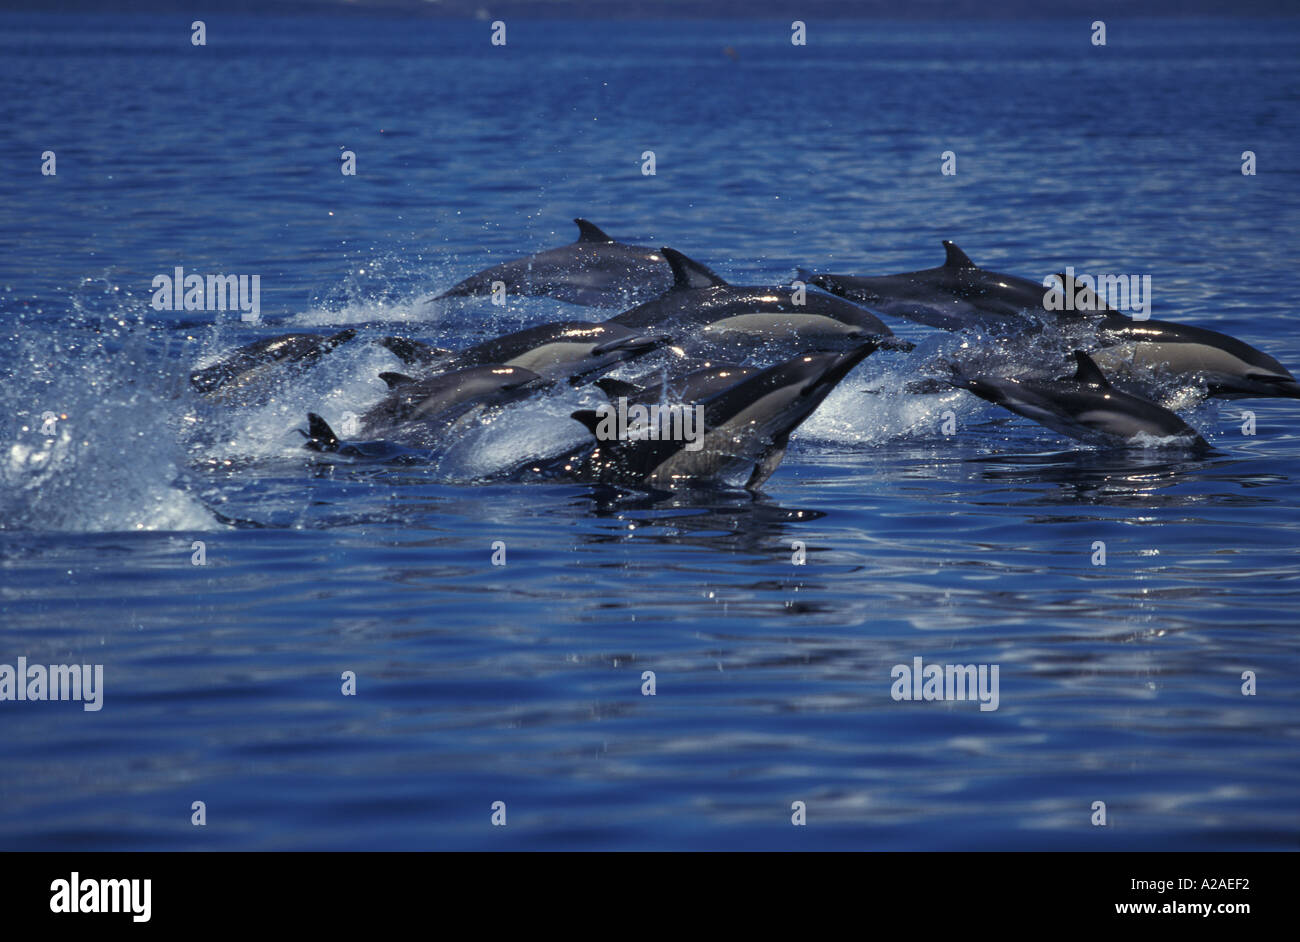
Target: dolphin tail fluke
x=767, y=465
x=320, y=437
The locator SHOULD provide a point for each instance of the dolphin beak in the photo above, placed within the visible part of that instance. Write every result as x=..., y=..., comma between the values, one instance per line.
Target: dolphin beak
x=1253, y=387
x=837, y=366
x=1286, y=388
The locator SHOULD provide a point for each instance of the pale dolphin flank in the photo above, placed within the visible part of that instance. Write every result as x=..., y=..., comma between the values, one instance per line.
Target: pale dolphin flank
x=701, y=307
x=747, y=429
x=596, y=270
x=250, y=365
x=569, y=350
x=420, y=413
x=1085, y=407
x=1229, y=368
x=955, y=295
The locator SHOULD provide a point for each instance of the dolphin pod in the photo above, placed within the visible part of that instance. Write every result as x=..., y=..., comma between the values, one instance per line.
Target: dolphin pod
x=752, y=363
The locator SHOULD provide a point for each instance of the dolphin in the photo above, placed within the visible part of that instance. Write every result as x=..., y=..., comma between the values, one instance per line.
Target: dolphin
x=420, y=413
x=746, y=427
x=571, y=350
x=1229, y=368
x=955, y=295
x=702, y=307
x=242, y=370
x=596, y=270
x=1085, y=407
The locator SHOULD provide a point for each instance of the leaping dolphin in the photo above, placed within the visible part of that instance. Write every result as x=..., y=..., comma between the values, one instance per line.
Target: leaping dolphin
x=242, y=371
x=420, y=414
x=955, y=295
x=596, y=270
x=747, y=426
x=569, y=350
x=701, y=307
x=1084, y=407
x=1229, y=368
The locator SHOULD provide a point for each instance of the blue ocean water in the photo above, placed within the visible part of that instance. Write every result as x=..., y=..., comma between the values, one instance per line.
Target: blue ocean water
x=522, y=684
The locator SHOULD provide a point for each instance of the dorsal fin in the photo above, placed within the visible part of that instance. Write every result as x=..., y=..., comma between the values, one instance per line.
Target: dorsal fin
x=1089, y=372
x=688, y=273
x=1085, y=299
x=320, y=437
x=956, y=258
x=396, y=379
x=614, y=388
x=588, y=417
x=590, y=232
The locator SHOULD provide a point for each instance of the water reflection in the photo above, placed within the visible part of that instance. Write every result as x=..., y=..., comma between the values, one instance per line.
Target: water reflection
x=726, y=521
x=1125, y=478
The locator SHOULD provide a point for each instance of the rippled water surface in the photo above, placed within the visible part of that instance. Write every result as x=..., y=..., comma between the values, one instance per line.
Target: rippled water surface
x=523, y=684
